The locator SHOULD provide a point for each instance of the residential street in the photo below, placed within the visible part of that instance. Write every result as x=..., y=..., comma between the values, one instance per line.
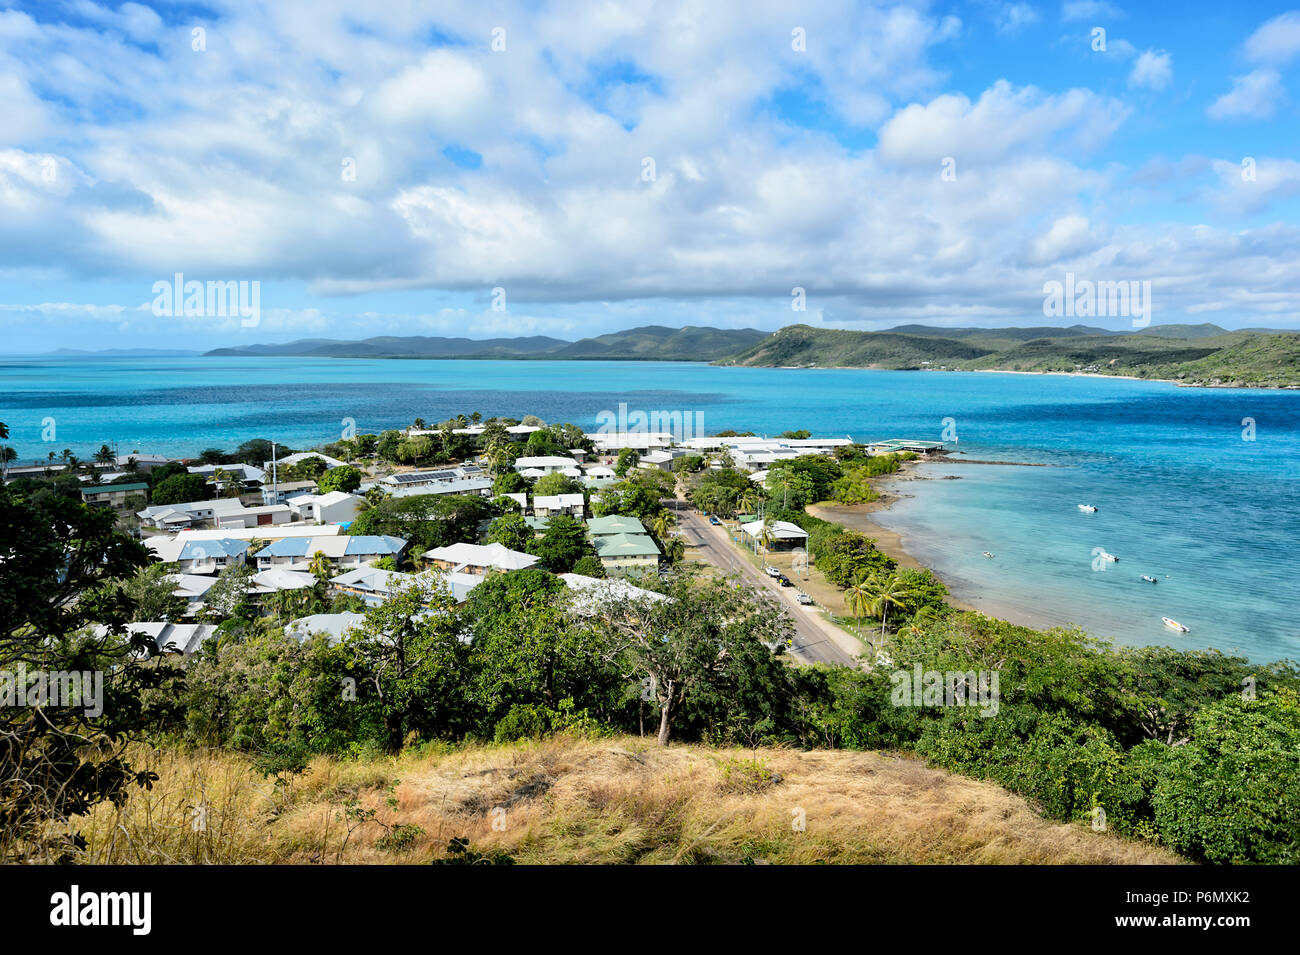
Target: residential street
x=815, y=640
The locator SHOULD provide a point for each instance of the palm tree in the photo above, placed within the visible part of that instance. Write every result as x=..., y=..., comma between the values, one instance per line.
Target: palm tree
x=748, y=498
x=105, y=455
x=674, y=549
x=858, y=597
x=320, y=566
x=662, y=526
x=887, y=592
x=418, y=424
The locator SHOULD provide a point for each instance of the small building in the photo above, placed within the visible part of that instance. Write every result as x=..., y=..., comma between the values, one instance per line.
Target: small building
x=336, y=507
x=627, y=553
x=114, y=496
x=279, y=493
x=615, y=524
x=211, y=556
x=342, y=551
x=779, y=533
x=289, y=460
x=894, y=445
x=547, y=505
x=546, y=464
x=333, y=626
x=478, y=559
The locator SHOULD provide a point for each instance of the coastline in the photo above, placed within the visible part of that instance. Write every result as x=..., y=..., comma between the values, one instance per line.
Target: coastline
x=857, y=517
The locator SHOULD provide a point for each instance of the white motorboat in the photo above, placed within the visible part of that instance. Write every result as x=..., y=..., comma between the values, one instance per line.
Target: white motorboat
x=1104, y=555
x=1174, y=625
x=1088, y=508
x=1149, y=579
x=987, y=554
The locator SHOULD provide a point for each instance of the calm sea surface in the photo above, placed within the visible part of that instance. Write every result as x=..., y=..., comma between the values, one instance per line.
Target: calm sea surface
x=1181, y=495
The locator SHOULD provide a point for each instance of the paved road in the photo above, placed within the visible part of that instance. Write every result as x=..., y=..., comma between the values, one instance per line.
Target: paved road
x=812, y=640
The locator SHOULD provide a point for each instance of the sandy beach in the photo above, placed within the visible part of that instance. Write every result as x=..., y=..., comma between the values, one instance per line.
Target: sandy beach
x=857, y=517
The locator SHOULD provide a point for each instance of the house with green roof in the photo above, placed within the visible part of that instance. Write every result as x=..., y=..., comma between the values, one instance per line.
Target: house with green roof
x=615, y=524
x=114, y=495
x=621, y=553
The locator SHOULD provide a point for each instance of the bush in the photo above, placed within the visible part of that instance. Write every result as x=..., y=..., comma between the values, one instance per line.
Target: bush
x=523, y=721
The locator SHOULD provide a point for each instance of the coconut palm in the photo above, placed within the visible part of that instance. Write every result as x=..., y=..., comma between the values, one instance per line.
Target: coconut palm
x=662, y=526
x=886, y=592
x=320, y=566
x=105, y=455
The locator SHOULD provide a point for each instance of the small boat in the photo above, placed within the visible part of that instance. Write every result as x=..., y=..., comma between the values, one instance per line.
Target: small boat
x=1174, y=625
x=987, y=554
x=1087, y=508
x=1149, y=579
x=1109, y=557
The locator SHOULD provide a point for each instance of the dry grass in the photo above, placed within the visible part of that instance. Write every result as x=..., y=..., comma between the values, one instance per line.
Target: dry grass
x=569, y=800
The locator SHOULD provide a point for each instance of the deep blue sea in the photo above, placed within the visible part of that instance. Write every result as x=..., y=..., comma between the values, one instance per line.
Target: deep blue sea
x=1181, y=495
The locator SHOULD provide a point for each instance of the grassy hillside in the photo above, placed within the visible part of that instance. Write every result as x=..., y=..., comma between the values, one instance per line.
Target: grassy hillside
x=575, y=800
x=1191, y=354
x=803, y=345
x=659, y=343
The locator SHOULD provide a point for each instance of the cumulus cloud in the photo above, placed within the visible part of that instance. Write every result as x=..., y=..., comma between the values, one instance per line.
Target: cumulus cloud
x=1153, y=70
x=1276, y=41
x=312, y=146
x=1253, y=96
x=1075, y=10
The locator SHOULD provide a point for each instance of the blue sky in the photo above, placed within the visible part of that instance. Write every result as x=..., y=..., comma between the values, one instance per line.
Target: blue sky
x=383, y=171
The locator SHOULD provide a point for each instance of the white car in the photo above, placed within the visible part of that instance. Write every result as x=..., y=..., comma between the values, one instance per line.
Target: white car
x=771, y=571
x=803, y=599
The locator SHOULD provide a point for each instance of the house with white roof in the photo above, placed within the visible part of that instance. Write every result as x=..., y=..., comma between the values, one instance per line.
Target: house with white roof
x=374, y=586
x=779, y=533
x=174, y=637
x=289, y=460
x=246, y=473
x=193, y=589
x=546, y=464
x=478, y=559
x=592, y=595
x=545, y=505
x=335, y=507
x=278, y=578
x=334, y=626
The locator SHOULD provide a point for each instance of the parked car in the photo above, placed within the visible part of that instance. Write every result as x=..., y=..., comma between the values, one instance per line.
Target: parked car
x=771, y=571
x=784, y=580
x=803, y=598
x=714, y=520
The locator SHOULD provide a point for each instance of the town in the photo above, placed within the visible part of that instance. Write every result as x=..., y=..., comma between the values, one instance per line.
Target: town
x=314, y=538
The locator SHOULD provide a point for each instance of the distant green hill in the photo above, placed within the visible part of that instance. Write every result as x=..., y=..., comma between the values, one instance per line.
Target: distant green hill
x=659, y=343
x=649, y=343
x=1191, y=354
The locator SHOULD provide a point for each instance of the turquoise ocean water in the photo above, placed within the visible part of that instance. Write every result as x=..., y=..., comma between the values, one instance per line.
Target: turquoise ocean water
x=1181, y=495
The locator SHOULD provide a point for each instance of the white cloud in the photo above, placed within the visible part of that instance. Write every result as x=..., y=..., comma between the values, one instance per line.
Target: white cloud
x=1253, y=96
x=1153, y=70
x=1276, y=41
x=1073, y=11
x=1013, y=17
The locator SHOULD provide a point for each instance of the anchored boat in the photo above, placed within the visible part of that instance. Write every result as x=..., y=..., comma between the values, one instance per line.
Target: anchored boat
x=1087, y=508
x=1174, y=625
x=1149, y=579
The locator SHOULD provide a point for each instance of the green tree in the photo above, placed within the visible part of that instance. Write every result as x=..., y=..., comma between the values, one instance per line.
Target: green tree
x=62, y=610
x=181, y=489
x=711, y=647
x=346, y=478
x=510, y=530
x=153, y=594
x=562, y=545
